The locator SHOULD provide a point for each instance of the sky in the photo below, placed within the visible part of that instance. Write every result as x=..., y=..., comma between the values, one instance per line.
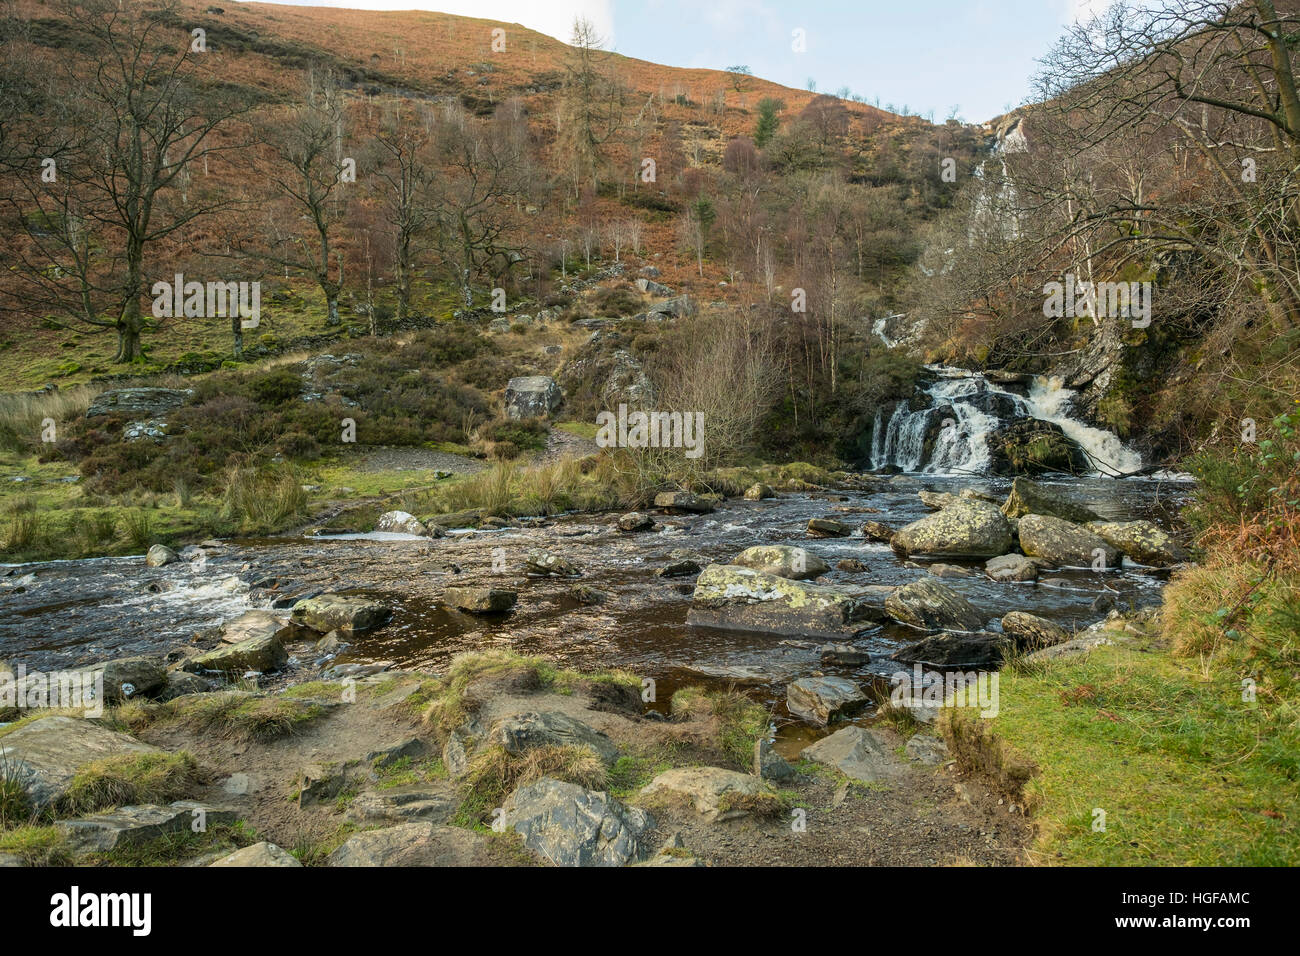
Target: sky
x=975, y=56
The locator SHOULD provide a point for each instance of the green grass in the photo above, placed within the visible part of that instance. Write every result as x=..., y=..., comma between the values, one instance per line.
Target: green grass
x=37, y=845
x=238, y=715
x=740, y=722
x=130, y=779
x=173, y=849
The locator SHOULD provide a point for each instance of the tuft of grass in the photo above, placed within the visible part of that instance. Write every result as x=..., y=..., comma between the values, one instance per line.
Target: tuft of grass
x=130, y=779
x=172, y=849
x=494, y=773
x=239, y=715
x=37, y=845
x=740, y=722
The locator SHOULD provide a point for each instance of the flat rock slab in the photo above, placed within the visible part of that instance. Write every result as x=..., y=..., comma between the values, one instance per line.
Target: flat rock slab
x=716, y=793
x=797, y=564
x=432, y=802
x=44, y=756
x=854, y=752
x=259, y=854
x=413, y=844
x=818, y=699
x=568, y=825
x=736, y=598
x=133, y=826
x=518, y=733
x=260, y=654
x=338, y=612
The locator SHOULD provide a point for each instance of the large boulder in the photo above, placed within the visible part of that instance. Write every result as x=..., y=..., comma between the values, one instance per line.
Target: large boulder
x=338, y=612
x=128, y=677
x=980, y=650
x=401, y=522
x=1063, y=544
x=518, y=733
x=138, y=402
x=929, y=605
x=735, y=598
x=715, y=793
x=134, y=826
x=678, y=306
x=159, y=555
x=255, y=654
x=1012, y=567
x=818, y=699
x=828, y=528
x=963, y=529
x=413, y=844
x=1030, y=631
x=571, y=826
x=1143, y=541
x=253, y=624
x=759, y=491
x=43, y=757
x=1030, y=498
x=532, y=396
x=1030, y=446
x=683, y=502
x=784, y=561
x=854, y=752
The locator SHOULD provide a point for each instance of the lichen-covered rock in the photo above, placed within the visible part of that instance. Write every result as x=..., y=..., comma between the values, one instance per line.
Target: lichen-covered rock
x=134, y=826
x=1028, y=497
x=759, y=491
x=1143, y=541
x=259, y=854
x=1063, y=544
x=962, y=529
x=877, y=531
x=682, y=501
x=255, y=654
x=929, y=605
x=784, y=561
x=1032, y=632
x=635, y=521
x=818, y=699
x=715, y=793
x=1012, y=567
x=518, y=733
x=44, y=756
x=138, y=402
x=159, y=555
x=338, y=612
x=568, y=825
x=1030, y=446
x=828, y=528
x=414, y=844
x=401, y=522
x=550, y=564
x=736, y=598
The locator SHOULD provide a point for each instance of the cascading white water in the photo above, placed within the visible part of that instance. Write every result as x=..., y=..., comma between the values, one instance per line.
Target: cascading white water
x=964, y=408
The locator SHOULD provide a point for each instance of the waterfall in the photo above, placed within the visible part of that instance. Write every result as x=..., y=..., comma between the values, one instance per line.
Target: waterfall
x=964, y=407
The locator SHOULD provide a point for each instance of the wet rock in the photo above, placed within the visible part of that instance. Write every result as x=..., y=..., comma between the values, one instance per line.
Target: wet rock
x=518, y=733
x=845, y=654
x=138, y=402
x=1012, y=567
x=851, y=564
x=568, y=825
x=413, y=844
x=929, y=605
x=1031, y=446
x=480, y=600
x=1143, y=541
x=401, y=522
x=44, y=756
x=818, y=699
x=715, y=793
x=337, y=612
x=253, y=625
x=1063, y=544
x=769, y=764
x=635, y=521
x=159, y=555
x=982, y=650
x=948, y=571
x=876, y=531
x=532, y=396
x=828, y=528
x=683, y=502
x=1031, y=631
x=259, y=854
x=930, y=751
x=255, y=654
x=679, y=569
x=736, y=598
x=759, y=492
x=549, y=564
x=1028, y=497
x=854, y=752
x=963, y=529
x=783, y=561
x=586, y=594
x=134, y=826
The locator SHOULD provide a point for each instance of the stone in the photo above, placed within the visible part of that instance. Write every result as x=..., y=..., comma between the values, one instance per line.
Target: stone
x=759, y=492
x=568, y=825
x=982, y=650
x=851, y=564
x=253, y=624
x=259, y=854
x=828, y=528
x=854, y=752
x=1031, y=446
x=532, y=396
x=1012, y=567
x=549, y=564
x=682, y=305
x=635, y=521
x=716, y=794
x=769, y=764
x=962, y=529
x=876, y=531
x=940, y=570
x=138, y=402
x=818, y=699
x=1063, y=544
x=679, y=569
x=338, y=612
x=1028, y=497
x=518, y=733
x=783, y=561
x=480, y=600
x=1071, y=648
x=43, y=757
x=650, y=287
x=435, y=802
x=401, y=522
x=159, y=555
x=127, y=677
x=936, y=500
x=735, y=598
x=845, y=654
x=1032, y=632
x=255, y=654
x=930, y=751
x=1143, y=541
x=413, y=844
x=455, y=755
x=682, y=501
x=587, y=595
x=133, y=826
x=929, y=605
x=180, y=683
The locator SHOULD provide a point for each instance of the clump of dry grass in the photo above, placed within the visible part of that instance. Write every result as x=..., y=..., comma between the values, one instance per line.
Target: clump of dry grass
x=494, y=773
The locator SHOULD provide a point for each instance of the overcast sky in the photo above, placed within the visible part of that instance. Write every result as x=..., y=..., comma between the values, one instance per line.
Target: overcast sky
x=977, y=55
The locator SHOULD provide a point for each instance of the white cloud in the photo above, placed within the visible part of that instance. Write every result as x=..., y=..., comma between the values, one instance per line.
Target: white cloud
x=552, y=17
